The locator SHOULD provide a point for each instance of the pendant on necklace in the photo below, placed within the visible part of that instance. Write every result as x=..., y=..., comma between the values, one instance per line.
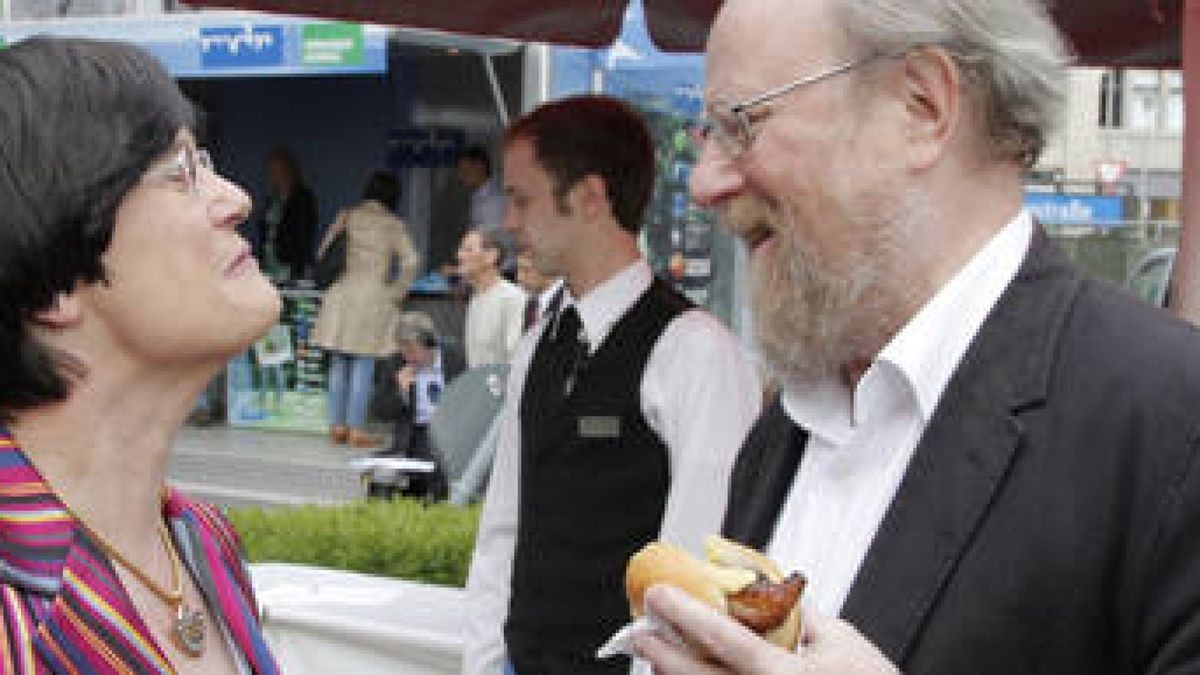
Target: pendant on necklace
x=189, y=631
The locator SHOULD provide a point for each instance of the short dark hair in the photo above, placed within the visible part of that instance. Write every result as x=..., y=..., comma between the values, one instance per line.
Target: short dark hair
x=479, y=155
x=383, y=187
x=594, y=135
x=80, y=122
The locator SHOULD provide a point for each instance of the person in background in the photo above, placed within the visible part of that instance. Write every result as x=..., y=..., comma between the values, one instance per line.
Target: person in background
x=416, y=376
x=624, y=410
x=410, y=387
x=124, y=287
x=982, y=460
x=289, y=221
x=545, y=290
x=358, y=315
x=488, y=202
x=496, y=309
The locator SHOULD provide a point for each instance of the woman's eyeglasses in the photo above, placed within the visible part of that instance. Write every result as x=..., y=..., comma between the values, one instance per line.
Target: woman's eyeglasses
x=184, y=169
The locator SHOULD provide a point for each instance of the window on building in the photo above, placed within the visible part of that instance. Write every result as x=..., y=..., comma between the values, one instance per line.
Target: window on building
x=50, y=9
x=1173, y=83
x=1145, y=100
x=1112, y=86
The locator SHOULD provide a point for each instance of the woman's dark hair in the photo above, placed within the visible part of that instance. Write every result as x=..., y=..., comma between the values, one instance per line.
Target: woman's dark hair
x=383, y=187
x=80, y=122
x=593, y=135
x=287, y=159
x=479, y=155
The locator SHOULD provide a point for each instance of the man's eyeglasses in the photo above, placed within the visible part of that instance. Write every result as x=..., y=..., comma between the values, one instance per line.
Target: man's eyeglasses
x=730, y=125
x=184, y=169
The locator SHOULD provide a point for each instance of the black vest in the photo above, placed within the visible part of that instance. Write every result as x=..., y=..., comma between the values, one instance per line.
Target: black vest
x=594, y=480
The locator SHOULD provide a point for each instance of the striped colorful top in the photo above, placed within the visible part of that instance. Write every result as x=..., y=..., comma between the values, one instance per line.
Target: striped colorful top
x=65, y=610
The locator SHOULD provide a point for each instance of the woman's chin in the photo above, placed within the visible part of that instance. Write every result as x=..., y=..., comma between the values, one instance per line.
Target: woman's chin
x=256, y=311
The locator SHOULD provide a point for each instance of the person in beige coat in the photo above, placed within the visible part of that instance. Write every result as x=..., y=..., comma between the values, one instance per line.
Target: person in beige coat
x=358, y=318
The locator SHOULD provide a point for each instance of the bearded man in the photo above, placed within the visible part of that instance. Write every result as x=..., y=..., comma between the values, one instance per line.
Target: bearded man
x=983, y=461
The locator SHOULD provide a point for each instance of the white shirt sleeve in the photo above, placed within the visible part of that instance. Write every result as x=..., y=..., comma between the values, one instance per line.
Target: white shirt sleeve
x=514, y=322
x=701, y=395
x=490, y=577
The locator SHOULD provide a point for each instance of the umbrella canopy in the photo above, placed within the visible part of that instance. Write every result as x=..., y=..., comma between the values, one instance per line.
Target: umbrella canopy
x=1109, y=32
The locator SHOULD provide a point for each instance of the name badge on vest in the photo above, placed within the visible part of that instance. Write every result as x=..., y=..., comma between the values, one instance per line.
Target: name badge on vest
x=600, y=427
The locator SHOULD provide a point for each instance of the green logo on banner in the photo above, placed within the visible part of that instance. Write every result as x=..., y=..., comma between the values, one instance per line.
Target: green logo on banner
x=331, y=44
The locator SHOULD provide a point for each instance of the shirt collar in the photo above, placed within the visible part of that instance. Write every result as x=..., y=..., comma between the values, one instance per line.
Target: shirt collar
x=930, y=346
x=434, y=367
x=917, y=363
x=608, y=301
x=546, y=298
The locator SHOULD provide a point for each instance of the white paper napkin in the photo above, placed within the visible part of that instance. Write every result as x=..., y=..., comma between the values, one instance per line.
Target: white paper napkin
x=621, y=643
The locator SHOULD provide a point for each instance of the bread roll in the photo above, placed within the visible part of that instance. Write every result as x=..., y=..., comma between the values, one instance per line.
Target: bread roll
x=736, y=580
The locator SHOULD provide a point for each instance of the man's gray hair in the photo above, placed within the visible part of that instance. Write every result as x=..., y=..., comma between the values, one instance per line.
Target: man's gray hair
x=1012, y=56
x=417, y=327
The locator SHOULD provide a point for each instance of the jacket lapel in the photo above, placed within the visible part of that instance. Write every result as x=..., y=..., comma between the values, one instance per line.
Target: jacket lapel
x=92, y=625
x=963, y=456
x=763, y=476
x=83, y=621
x=213, y=556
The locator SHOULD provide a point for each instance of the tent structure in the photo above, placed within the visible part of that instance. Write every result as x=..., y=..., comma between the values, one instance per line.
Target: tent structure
x=1126, y=33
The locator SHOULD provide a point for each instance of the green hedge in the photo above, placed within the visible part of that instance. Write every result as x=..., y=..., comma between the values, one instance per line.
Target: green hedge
x=400, y=538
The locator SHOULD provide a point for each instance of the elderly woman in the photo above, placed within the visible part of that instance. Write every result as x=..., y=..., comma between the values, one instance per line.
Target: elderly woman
x=123, y=289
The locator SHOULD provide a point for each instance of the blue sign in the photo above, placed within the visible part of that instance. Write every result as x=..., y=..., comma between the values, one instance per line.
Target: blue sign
x=424, y=147
x=244, y=46
x=1055, y=209
x=233, y=44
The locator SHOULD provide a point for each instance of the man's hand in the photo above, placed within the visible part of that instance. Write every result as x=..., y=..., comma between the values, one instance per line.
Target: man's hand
x=406, y=377
x=830, y=645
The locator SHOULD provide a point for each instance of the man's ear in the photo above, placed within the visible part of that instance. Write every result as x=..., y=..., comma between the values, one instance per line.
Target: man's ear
x=591, y=198
x=65, y=312
x=933, y=100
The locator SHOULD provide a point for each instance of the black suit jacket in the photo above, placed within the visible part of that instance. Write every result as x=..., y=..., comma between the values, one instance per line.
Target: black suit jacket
x=1049, y=521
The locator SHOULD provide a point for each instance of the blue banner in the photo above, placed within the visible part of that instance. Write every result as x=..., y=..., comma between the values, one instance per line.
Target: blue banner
x=1056, y=209
x=232, y=44
x=244, y=46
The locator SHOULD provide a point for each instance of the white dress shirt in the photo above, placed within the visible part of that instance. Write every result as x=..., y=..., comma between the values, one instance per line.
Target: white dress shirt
x=428, y=385
x=698, y=393
x=859, y=446
x=494, y=322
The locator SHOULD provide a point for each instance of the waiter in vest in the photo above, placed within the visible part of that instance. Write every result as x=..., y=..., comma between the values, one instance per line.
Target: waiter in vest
x=624, y=410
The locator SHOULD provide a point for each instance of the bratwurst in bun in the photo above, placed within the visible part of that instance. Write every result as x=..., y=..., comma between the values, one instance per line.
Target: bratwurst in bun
x=736, y=580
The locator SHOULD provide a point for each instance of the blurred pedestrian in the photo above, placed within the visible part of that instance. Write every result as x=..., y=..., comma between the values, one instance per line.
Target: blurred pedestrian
x=359, y=313
x=289, y=221
x=496, y=310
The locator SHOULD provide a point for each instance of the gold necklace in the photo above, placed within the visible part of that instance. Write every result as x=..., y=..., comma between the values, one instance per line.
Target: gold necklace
x=187, y=631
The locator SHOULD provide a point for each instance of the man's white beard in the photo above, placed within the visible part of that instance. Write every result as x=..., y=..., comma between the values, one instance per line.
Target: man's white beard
x=816, y=316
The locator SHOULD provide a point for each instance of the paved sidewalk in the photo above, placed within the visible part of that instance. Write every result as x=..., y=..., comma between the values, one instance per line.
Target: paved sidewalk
x=246, y=467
